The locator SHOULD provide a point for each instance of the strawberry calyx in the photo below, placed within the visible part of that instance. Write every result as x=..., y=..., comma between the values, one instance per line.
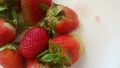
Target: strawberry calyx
x=10, y=15
x=53, y=15
x=44, y=7
x=6, y=8
x=8, y=46
x=53, y=56
x=80, y=43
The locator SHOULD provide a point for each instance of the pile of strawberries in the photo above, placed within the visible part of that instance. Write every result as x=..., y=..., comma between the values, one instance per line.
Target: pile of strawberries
x=47, y=42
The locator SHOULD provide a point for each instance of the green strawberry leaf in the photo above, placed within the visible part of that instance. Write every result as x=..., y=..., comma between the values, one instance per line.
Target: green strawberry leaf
x=53, y=15
x=2, y=9
x=47, y=58
x=50, y=30
x=8, y=13
x=43, y=53
x=54, y=11
x=56, y=59
x=63, y=66
x=58, y=66
x=5, y=13
x=11, y=46
x=2, y=48
x=54, y=48
x=53, y=56
x=64, y=59
x=15, y=17
x=8, y=46
x=43, y=6
x=2, y=16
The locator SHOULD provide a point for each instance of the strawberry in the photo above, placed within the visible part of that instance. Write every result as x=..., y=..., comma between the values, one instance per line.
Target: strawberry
x=70, y=47
x=69, y=22
x=34, y=63
x=62, y=19
x=31, y=10
x=10, y=58
x=34, y=41
x=63, y=50
x=7, y=32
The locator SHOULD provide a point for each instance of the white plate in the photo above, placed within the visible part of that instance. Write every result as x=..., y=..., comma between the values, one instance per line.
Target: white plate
x=99, y=30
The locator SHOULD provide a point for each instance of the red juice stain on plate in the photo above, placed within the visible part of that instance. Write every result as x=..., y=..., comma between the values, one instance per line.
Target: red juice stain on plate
x=98, y=20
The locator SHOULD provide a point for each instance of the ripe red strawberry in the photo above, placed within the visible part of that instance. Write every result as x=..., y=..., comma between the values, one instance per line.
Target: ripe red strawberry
x=7, y=32
x=70, y=47
x=69, y=22
x=62, y=19
x=34, y=41
x=10, y=58
x=34, y=63
x=31, y=10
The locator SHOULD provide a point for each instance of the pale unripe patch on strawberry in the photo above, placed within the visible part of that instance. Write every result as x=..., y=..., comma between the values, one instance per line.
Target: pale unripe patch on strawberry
x=80, y=42
x=11, y=27
x=1, y=66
